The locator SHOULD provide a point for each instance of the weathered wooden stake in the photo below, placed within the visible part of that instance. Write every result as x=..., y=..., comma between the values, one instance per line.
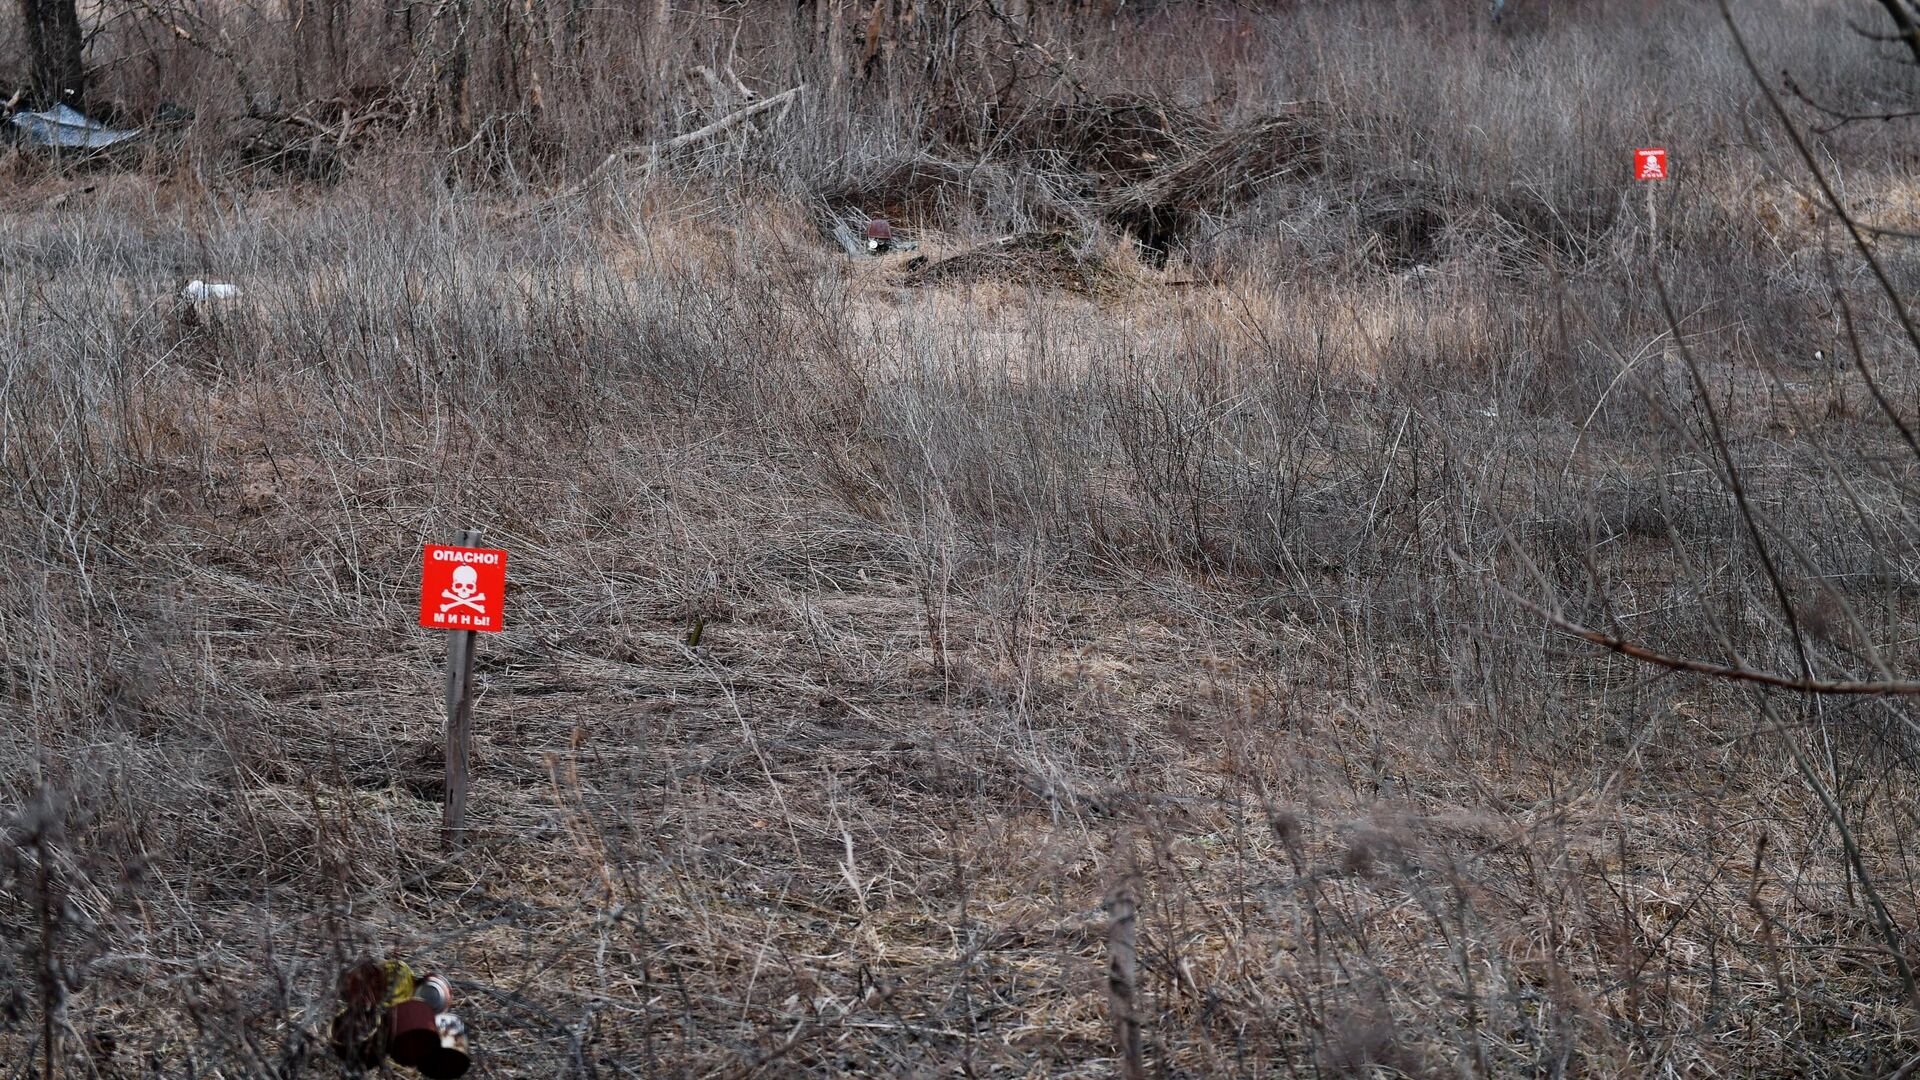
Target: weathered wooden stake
x=459, y=745
x=1653, y=227
x=1123, y=904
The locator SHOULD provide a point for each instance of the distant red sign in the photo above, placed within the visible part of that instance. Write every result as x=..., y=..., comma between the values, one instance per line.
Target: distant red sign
x=1650, y=163
x=463, y=588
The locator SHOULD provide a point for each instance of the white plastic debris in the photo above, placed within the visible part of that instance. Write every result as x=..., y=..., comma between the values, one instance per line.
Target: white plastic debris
x=209, y=290
x=62, y=126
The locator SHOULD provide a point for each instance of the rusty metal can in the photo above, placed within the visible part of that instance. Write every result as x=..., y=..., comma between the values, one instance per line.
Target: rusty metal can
x=451, y=1059
x=400, y=981
x=412, y=1034
x=435, y=991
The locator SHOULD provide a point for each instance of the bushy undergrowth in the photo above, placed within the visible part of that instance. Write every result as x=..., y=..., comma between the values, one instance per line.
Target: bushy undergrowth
x=877, y=637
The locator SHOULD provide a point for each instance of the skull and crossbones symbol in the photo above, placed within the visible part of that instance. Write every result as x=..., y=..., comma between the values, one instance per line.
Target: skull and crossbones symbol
x=464, y=592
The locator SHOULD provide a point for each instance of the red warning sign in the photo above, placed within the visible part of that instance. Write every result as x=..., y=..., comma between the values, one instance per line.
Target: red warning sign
x=1650, y=163
x=463, y=588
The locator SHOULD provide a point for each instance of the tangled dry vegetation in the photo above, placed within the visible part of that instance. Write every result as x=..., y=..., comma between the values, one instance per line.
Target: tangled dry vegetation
x=1115, y=643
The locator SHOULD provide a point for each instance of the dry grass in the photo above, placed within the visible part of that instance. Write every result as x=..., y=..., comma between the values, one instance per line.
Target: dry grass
x=1056, y=573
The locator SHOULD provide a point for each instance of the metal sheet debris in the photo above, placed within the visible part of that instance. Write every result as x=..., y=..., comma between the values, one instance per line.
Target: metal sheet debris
x=62, y=126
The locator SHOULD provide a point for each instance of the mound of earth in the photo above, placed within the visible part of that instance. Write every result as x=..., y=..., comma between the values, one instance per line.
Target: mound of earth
x=1045, y=259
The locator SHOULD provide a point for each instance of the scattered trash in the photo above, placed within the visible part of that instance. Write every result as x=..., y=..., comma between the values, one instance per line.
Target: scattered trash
x=876, y=239
x=400, y=981
x=412, y=1033
x=209, y=290
x=359, y=1034
x=435, y=992
x=451, y=1060
x=387, y=1013
x=200, y=303
x=62, y=126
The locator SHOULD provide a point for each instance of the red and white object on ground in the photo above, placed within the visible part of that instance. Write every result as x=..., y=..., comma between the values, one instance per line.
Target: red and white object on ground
x=1650, y=163
x=463, y=588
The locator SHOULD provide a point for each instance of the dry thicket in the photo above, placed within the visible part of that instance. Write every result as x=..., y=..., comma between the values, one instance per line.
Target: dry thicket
x=1135, y=638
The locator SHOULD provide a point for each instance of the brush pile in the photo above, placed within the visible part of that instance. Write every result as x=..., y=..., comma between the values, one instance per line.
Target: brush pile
x=1145, y=167
x=1232, y=166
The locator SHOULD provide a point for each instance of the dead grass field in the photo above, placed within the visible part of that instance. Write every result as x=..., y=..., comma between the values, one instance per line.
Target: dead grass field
x=1190, y=574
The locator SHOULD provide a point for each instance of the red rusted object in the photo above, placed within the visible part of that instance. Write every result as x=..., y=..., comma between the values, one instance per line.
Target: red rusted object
x=413, y=1035
x=878, y=229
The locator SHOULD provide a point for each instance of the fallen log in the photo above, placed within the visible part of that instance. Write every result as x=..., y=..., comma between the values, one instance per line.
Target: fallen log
x=648, y=152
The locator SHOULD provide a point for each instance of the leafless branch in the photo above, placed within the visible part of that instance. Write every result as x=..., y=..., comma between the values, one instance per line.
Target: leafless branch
x=1841, y=118
x=1909, y=31
x=1737, y=672
x=1734, y=483
x=1826, y=188
x=1026, y=41
x=651, y=151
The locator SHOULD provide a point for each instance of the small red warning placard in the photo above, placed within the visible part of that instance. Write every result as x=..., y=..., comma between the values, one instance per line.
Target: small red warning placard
x=463, y=588
x=1650, y=163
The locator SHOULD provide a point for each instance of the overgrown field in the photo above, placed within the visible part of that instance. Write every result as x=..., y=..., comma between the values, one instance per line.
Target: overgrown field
x=1195, y=524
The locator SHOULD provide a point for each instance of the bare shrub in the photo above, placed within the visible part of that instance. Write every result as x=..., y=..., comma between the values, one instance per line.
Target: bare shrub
x=856, y=608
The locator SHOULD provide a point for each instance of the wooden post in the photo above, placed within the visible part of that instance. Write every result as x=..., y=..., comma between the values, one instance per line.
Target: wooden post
x=1123, y=904
x=1653, y=226
x=459, y=743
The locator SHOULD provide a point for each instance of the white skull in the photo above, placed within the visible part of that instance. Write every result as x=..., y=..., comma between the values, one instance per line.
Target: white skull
x=466, y=582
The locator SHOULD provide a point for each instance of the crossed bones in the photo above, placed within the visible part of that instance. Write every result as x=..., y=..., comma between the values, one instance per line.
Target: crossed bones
x=462, y=601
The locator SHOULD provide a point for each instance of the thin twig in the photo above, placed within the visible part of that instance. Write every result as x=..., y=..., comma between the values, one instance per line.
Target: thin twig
x=1902, y=18
x=1841, y=118
x=1737, y=672
x=1735, y=484
x=1026, y=41
x=1826, y=189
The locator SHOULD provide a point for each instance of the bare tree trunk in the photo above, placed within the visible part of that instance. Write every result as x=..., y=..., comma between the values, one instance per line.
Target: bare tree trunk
x=455, y=60
x=299, y=28
x=836, y=57
x=53, y=41
x=538, y=53
x=660, y=48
